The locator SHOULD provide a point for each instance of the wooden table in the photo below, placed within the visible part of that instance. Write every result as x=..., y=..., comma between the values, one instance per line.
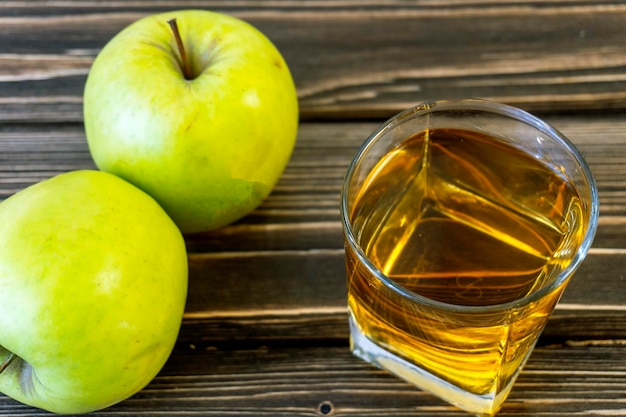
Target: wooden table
x=265, y=331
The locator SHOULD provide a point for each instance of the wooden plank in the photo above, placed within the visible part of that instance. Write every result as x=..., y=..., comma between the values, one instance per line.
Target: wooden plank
x=304, y=281
x=266, y=296
x=580, y=380
x=351, y=59
x=304, y=204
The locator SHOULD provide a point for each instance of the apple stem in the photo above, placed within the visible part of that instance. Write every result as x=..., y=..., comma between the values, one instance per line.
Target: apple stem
x=7, y=361
x=181, y=49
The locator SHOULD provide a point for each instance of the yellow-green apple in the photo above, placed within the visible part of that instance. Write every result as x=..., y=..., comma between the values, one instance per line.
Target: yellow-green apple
x=196, y=108
x=93, y=282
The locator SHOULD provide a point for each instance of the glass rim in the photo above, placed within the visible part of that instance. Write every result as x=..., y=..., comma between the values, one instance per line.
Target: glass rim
x=493, y=108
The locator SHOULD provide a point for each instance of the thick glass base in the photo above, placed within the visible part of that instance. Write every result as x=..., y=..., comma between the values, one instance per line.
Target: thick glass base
x=479, y=405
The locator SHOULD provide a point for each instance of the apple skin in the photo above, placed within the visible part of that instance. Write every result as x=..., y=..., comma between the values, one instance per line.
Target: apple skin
x=209, y=149
x=94, y=282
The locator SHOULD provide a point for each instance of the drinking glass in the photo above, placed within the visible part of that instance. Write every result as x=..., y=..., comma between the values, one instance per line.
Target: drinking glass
x=463, y=222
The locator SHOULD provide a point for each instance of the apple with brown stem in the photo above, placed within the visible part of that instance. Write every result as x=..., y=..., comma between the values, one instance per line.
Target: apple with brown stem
x=196, y=108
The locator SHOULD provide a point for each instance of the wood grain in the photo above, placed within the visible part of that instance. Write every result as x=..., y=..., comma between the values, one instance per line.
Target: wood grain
x=350, y=59
x=279, y=273
x=199, y=380
x=265, y=330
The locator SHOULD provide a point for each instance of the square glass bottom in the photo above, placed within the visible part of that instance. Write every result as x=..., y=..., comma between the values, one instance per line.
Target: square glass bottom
x=369, y=351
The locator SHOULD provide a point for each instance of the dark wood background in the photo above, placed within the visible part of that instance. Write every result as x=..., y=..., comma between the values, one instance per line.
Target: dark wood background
x=265, y=332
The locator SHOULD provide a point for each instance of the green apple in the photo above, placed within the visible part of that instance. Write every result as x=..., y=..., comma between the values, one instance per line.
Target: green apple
x=196, y=108
x=93, y=283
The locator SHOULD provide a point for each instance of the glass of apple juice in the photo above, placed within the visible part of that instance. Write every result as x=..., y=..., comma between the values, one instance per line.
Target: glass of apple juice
x=463, y=222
